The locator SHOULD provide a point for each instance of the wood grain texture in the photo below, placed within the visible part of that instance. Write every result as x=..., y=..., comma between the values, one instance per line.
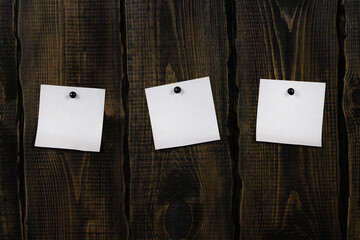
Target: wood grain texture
x=170, y=41
x=10, y=227
x=288, y=192
x=351, y=106
x=73, y=194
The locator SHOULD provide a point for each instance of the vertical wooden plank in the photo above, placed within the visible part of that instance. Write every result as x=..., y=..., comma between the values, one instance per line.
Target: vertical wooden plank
x=182, y=192
x=72, y=194
x=10, y=227
x=288, y=192
x=351, y=106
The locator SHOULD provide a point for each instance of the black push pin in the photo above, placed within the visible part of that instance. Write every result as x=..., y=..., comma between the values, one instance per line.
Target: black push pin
x=72, y=94
x=177, y=89
x=291, y=91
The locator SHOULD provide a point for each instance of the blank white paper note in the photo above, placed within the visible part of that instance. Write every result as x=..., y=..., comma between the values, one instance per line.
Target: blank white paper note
x=290, y=119
x=184, y=118
x=70, y=123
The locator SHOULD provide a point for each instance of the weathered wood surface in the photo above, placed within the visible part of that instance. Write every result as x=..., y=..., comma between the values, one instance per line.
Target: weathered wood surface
x=235, y=188
x=351, y=105
x=10, y=227
x=72, y=194
x=182, y=192
x=288, y=192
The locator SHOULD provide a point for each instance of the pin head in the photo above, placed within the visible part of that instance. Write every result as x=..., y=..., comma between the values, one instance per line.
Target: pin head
x=177, y=89
x=291, y=91
x=72, y=94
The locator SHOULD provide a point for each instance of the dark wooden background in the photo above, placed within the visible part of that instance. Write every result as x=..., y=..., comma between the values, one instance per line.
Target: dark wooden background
x=235, y=188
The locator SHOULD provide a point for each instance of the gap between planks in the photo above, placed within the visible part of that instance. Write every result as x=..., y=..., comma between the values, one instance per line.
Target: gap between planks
x=233, y=128
x=342, y=132
x=125, y=100
x=20, y=123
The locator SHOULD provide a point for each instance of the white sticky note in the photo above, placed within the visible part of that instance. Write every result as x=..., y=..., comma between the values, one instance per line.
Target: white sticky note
x=70, y=123
x=290, y=119
x=185, y=118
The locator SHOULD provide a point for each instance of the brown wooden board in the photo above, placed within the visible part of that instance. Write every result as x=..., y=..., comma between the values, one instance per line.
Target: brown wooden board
x=351, y=105
x=73, y=194
x=182, y=192
x=10, y=227
x=288, y=192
